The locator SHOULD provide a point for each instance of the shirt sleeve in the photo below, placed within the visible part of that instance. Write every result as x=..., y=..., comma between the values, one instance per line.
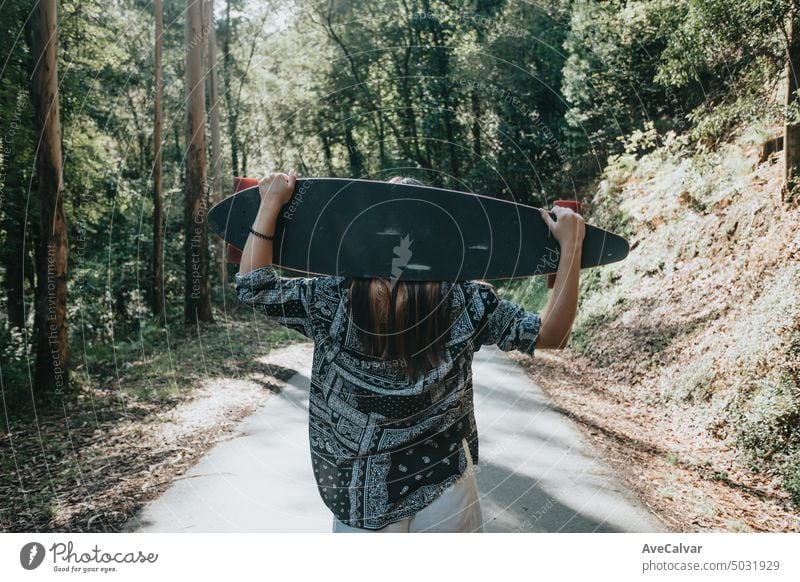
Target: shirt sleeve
x=286, y=300
x=503, y=323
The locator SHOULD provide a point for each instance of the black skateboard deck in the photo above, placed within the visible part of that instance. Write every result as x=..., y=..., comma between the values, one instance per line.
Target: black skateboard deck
x=366, y=228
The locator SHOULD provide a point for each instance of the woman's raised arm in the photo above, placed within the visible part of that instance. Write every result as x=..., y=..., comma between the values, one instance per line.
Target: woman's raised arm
x=275, y=190
x=559, y=314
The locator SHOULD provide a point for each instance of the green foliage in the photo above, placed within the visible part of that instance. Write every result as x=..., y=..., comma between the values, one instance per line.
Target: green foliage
x=716, y=36
x=517, y=100
x=531, y=293
x=791, y=477
x=769, y=426
x=609, y=77
x=732, y=52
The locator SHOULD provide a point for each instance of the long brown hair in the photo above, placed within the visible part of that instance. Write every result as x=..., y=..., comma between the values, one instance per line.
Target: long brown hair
x=407, y=321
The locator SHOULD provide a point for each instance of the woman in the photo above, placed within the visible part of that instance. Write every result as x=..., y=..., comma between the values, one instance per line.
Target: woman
x=392, y=430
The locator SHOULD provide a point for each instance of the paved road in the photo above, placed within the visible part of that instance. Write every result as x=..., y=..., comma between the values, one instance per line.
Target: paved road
x=536, y=473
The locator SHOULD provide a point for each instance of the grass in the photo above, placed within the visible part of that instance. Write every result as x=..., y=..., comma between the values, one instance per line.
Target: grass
x=152, y=364
x=162, y=366
x=791, y=476
x=767, y=424
x=43, y=453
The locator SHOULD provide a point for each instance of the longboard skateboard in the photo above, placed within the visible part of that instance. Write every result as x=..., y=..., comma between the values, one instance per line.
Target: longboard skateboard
x=367, y=228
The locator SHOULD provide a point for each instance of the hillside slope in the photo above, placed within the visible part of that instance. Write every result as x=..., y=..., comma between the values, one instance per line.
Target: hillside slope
x=685, y=357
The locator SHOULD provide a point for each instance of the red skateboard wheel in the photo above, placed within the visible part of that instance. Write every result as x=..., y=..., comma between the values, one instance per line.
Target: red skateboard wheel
x=234, y=254
x=240, y=183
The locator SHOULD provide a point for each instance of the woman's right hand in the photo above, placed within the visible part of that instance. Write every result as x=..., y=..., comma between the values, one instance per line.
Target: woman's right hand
x=276, y=189
x=568, y=228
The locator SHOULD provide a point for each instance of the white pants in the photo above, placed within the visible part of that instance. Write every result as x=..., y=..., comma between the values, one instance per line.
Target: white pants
x=457, y=509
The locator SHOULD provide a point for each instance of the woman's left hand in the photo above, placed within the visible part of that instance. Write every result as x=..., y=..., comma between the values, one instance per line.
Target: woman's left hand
x=276, y=189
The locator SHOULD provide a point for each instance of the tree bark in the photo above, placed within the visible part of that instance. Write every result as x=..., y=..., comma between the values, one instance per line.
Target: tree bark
x=15, y=256
x=227, y=69
x=197, y=297
x=52, y=355
x=158, y=212
x=441, y=68
x=216, y=136
x=791, y=142
x=476, y=125
x=17, y=133
x=14, y=251
x=326, y=151
x=354, y=157
x=213, y=112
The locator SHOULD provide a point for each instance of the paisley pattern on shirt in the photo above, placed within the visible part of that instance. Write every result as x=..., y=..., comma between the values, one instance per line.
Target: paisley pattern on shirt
x=383, y=447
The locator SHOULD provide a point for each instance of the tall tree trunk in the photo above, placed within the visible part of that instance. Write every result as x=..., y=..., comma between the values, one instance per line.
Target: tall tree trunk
x=15, y=299
x=17, y=133
x=476, y=124
x=197, y=297
x=381, y=143
x=213, y=111
x=354, y=157
x=158, y=212
x=216, y=137
x=245, y=141
x=327, y=155
x=176, y=138
x=52, y=356
x=409, y=115
x=440, y=67
x=227, y=69
x=791, y=140
x=14, y=257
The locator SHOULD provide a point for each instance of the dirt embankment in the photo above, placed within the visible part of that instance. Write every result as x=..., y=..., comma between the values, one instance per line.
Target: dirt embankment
x=684, y=365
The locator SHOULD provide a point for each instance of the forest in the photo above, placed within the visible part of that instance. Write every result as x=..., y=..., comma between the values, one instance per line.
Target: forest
x=123, y=122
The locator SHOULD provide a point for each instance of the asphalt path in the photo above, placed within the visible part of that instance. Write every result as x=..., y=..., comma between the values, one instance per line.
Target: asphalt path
x=536, y=472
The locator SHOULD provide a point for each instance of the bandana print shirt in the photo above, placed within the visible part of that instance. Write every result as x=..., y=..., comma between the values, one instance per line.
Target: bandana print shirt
x=382, y=447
